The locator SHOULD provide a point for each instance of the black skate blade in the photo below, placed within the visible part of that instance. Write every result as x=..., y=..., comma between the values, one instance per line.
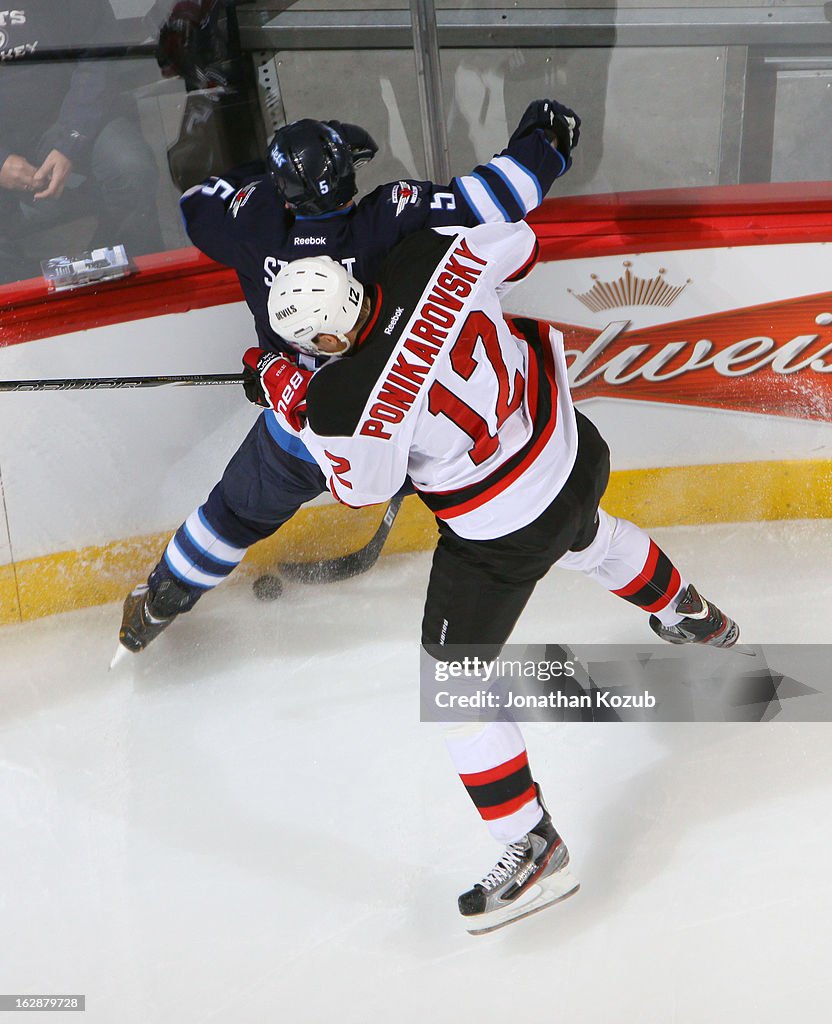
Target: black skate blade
x=533, y=909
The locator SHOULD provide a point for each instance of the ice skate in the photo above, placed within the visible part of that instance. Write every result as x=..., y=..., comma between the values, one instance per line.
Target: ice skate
x=146, y=613
x=532, y=874
x=703, y=623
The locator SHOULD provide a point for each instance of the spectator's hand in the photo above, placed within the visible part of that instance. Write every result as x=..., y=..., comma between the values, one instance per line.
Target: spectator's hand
x=50, y=177
x=17, y=173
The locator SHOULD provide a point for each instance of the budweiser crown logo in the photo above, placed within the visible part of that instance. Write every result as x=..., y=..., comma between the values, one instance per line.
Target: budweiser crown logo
x=630, y=290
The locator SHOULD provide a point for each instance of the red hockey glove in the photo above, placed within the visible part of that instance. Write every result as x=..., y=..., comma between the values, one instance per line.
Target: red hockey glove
x=274, y=382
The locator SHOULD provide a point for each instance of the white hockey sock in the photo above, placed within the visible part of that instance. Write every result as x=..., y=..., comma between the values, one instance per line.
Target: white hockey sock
x=625, y=560
x=492, y=762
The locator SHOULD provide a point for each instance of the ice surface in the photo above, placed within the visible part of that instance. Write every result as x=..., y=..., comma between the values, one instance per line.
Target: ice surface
x=248, y=824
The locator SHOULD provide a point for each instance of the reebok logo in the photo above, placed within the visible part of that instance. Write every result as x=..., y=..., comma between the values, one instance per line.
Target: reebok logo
x=311, y=240
x=394, y=320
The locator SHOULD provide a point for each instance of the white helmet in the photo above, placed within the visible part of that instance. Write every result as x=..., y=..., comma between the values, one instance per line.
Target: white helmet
x=314, y=296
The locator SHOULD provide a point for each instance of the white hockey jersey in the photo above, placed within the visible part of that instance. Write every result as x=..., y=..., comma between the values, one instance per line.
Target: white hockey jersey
x=441, y=388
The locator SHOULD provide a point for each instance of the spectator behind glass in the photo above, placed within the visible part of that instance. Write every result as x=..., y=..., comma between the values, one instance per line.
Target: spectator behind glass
x=70, y=144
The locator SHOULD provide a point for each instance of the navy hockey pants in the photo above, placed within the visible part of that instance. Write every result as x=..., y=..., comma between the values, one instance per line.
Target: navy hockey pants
x=267, y=480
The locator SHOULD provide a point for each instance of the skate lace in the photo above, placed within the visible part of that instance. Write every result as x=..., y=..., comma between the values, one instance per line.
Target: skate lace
x=505, y=866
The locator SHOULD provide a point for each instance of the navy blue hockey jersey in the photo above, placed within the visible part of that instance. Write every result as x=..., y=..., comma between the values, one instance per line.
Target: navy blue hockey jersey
x=239, y=221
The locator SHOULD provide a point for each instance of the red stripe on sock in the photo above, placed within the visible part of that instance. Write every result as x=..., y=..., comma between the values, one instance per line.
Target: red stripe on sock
x=509, y=807
x=665, y=599
x=500, y=771
x=644, y=576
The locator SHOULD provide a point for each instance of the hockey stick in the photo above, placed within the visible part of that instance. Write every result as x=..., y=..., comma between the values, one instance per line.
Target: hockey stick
x=96, y=383
x=325, y=571
x=329, y=570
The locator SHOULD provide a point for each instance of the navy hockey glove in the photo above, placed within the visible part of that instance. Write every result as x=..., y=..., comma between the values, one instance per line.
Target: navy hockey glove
x=274, y=382
x=561, y=126
x=362, y=144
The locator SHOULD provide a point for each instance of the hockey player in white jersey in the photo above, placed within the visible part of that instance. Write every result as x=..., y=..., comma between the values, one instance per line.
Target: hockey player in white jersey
x=437, y=386
x=256, y=225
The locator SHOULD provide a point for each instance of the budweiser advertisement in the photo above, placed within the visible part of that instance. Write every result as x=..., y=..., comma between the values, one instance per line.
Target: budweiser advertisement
x=708, y=355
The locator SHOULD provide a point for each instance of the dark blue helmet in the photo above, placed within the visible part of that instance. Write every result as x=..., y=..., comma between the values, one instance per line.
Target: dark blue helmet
x=312, y=164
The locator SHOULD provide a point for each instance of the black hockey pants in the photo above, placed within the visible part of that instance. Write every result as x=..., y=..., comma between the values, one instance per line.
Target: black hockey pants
x=478, y=589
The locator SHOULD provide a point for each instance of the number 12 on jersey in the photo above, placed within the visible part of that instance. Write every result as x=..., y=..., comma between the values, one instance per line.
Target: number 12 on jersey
x=442, y=401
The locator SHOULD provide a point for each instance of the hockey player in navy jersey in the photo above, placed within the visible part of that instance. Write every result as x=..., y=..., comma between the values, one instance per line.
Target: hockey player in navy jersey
x=258, y=223
x=304, y=205
x=433, y=385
